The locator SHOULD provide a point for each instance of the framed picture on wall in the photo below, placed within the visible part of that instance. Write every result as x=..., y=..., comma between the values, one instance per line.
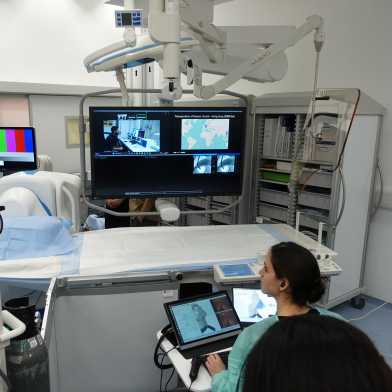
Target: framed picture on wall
x=72, y=135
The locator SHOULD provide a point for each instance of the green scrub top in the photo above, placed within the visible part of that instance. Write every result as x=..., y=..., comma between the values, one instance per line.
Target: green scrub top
x=231, y=380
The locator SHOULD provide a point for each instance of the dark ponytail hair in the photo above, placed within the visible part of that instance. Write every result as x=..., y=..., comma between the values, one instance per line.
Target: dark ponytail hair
x=315, y=353
x=298, y=265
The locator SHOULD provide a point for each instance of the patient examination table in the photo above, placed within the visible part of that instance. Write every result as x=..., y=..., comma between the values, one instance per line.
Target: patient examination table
x=105, y=298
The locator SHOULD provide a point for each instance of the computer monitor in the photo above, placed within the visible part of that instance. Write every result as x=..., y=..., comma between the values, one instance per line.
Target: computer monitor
x=252, y=305
x=141, y=133
x=173, y=151
x=203, y=319
x=17, y=149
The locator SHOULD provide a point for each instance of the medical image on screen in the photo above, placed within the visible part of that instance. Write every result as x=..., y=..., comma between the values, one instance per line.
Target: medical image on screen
x=205, y=134
x=220, y=304
x=225, y=164
x=253, y=305
x=129, y=136
x=227, y=318
x=143, y=152
x=202, y=164
x=196, y=320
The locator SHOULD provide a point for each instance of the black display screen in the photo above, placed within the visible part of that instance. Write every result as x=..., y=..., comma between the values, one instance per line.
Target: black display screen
x=155, y=151
x=17, y=149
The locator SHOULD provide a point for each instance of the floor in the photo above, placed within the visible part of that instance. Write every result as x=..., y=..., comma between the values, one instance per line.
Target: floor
x=377, y=325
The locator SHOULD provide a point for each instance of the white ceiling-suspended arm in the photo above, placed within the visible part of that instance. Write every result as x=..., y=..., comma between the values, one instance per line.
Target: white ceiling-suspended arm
x=198, y=18
x=251, y=52
x=97, y=55
x=313, y=23
x=164, y=26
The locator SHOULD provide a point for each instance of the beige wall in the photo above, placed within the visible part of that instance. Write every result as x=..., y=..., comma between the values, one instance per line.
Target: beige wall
x=14, y=111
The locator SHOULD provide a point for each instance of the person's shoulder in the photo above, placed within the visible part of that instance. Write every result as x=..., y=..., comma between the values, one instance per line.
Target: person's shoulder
x=249, y=336
x=257, y=329
x=326, y=312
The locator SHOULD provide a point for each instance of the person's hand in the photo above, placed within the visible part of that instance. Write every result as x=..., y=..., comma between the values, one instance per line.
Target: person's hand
x=215, y=364
x=114, y=203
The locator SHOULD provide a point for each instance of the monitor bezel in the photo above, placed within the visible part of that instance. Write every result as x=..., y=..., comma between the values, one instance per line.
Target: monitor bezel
x=237, y=289
x=204, y=340
x=15, y=166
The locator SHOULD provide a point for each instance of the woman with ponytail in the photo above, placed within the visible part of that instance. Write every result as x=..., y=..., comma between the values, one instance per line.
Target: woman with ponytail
x=292, y=276
x=316, y=353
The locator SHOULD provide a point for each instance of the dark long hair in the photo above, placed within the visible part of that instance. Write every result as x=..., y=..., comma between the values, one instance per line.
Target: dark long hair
x=316, y=353
x=300, y=268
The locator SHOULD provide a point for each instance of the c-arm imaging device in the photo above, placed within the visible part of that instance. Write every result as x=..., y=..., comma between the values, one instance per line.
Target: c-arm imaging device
x=182, y=38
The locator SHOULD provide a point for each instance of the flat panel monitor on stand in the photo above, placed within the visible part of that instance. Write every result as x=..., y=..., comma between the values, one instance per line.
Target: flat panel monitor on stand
x=252, y=305
x=140, y=152
x=17, y=149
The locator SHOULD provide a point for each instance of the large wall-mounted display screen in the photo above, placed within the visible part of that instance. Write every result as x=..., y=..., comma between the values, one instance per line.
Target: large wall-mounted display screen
x=173, y=151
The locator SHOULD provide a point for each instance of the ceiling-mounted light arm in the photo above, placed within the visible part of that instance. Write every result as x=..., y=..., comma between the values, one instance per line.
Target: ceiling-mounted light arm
x=123, y=87
x=319, y=37
x=312, y=23
x=210, y=32
x=146, y=51
x=198, y=17
x=211, y=49
x=164, y=27
x=129, y=40
x=93, y=57
x=129, y=34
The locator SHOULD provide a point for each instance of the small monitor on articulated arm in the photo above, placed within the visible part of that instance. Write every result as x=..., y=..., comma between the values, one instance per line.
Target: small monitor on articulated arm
x=17, y=149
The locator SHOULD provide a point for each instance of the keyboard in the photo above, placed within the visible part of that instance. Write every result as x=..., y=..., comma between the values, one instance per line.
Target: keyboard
x=209, y=348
